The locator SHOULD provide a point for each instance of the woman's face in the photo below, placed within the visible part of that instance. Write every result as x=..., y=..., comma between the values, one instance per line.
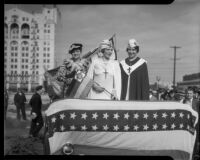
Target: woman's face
x=76, y=54
x=107, y=53
x=132, y=52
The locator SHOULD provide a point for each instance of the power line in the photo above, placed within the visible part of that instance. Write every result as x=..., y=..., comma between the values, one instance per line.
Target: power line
x=174, y=73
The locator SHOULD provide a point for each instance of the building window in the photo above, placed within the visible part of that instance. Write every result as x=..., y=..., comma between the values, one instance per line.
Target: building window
x=26, y=54
x=16, y=54
x=15, y=66
x=48, y=60
x=22, y=72
x=11, y=60
x=37, y=60
x=12, y=48
x=37, y=54
x=23, y=48
x=23, y=19
x=26, y=66
x=15, y=60
x=37, y=66
x=22, y=60
x=36, y=72
x=22, y=54
x=16, y=48
x=48, y=49
x=26, y=60
x=12, y=54
x=44, y=49
x=26, y=72
x=27, y=48
x=44, y=60
x=44, y=54
x=47, y=55
x=23, y=66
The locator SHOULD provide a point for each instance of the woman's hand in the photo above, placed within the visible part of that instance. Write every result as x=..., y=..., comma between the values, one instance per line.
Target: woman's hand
x=98, y=88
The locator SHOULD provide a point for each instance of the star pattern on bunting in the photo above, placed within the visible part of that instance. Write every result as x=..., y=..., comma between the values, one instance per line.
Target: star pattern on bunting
x=121, y=121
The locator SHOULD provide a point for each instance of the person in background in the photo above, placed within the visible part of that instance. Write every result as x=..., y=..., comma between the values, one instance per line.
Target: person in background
x=19, y=101
x=6, y=98
x=194, y=103
x=152, y=95
x=36, y=113
x=134, y=74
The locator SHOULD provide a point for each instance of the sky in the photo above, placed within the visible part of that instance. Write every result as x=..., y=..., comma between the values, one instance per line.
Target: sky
x=156, y=28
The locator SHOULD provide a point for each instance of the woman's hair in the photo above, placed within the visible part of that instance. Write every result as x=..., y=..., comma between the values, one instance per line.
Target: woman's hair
x=137, y=49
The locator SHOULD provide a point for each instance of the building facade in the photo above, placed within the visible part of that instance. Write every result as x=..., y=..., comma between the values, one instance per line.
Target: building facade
x=190, y=80
x=29, y=47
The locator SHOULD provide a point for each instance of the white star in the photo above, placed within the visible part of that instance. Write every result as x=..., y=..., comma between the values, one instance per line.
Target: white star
x=136, y=127
x=173, y=115
x=155, y=115
x=145, y=127
x=164, y=126
x=181, y=115
x=126, y=115
x=62, y=116
x=95, y=115
x=136, y=116
x=145, y=115
x=105, y=115
x=155, y=126
x=105, y=127
x=83, y=128
x=72, y=127
x=188, y=116
x=164, y=115
x=62, y=128
x=53, y=120
x=116, y=128
x=181, y=125
x=94, y=127
x=173, y=126
x=73, y=115
x=116, y=116
x=126, y=128
x=84, y=116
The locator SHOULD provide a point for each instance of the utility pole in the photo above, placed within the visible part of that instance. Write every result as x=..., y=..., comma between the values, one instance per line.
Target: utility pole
x=174, y=73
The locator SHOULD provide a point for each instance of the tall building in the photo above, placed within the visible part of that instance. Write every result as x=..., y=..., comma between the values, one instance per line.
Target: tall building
x=29, y=47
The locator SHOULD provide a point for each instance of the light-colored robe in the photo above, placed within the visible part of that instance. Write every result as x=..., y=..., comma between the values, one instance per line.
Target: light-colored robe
x=107, y=74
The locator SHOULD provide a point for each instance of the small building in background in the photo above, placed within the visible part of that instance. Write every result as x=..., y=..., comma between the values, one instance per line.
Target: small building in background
x=190, y=80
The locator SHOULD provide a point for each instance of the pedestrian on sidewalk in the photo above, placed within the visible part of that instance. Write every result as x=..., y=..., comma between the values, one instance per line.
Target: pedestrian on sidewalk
x=36, y=113
x=19, y=101
x=6, y=97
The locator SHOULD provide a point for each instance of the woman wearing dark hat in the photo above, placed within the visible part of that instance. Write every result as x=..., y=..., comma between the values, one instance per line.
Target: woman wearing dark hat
x=36, y=113
x=67, y=72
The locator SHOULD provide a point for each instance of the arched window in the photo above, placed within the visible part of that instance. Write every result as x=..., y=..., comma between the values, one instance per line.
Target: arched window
x=25, y=29
x=14, y=46
x=14, y=31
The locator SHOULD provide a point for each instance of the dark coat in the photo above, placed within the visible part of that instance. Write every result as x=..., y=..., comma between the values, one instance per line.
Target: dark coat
x=19, y=99
x=36, y=104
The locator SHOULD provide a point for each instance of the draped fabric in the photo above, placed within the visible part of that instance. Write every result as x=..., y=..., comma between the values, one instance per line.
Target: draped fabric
x=165, y=128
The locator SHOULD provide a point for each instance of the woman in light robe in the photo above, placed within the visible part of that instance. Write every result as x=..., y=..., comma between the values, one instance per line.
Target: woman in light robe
x=106, y=74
